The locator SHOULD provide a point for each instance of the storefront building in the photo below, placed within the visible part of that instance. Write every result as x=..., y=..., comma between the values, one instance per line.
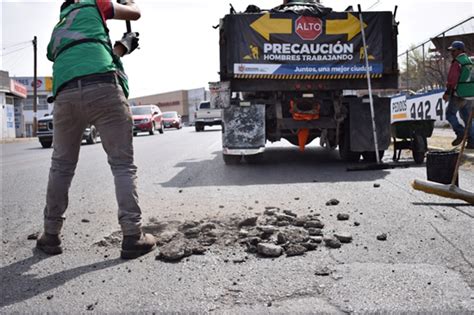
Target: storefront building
x=11, y=91
x=24, y=108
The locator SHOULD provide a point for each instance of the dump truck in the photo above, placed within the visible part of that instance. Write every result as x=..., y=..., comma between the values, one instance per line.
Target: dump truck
x=292, y=72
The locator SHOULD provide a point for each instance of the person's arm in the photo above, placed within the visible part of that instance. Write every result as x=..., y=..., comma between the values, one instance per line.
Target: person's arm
x=128, y=11
x=453, y=78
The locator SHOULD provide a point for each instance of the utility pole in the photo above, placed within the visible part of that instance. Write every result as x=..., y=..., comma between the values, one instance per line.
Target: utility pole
x=35, y=86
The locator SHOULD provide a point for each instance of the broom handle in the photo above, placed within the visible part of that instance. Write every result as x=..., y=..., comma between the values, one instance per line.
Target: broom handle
x=369, y=83
x=466, y=133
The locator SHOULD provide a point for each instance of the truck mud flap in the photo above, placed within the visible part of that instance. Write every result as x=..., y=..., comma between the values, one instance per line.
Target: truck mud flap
x=361, y=133
x=243, y=128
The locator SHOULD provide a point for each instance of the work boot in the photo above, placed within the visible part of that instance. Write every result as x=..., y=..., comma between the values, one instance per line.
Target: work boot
x=456, y=141
x=49, y=244
x=134, y=246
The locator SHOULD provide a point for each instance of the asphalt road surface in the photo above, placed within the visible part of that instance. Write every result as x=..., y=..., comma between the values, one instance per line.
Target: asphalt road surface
x=425, y=265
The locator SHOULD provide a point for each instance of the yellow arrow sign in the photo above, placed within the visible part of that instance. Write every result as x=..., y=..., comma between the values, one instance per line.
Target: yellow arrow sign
x=266, y=26
x=349, y=26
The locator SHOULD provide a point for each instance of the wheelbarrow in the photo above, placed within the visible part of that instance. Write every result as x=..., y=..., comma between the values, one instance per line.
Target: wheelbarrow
x=413, y=135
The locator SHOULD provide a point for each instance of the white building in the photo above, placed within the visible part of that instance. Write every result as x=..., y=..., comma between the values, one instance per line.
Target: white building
x=11, y=91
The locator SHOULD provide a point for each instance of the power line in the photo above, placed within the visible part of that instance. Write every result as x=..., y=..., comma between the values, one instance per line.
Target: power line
x=12, y=63
x=374, y=5
x=18, y=44
x=14, y=51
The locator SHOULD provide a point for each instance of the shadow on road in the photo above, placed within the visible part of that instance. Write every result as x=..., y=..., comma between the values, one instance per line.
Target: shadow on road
x=281, y=165
x=18, y=285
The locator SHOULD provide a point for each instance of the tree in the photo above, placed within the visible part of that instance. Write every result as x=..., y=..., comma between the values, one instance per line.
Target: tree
x=424, y=69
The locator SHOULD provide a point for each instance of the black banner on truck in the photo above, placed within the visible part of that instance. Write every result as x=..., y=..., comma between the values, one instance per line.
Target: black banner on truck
x=330, y=47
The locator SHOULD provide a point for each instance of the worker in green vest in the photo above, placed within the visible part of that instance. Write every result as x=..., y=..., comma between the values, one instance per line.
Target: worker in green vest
x=460, y=92
x=90, y=87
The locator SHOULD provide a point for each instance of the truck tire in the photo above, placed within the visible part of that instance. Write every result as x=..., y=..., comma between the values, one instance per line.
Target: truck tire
x=345, y=152
x=371, y=157
x=46, y=144
x=231, y=159
x=92, y=139
x=153, y=128
x=199, y=127
x=162, y=129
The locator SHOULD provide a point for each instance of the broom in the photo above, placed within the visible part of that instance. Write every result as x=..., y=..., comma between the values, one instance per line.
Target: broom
x=449, y=191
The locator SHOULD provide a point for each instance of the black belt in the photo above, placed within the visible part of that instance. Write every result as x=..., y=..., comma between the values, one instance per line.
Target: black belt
x=85, y=81
x=90, y=80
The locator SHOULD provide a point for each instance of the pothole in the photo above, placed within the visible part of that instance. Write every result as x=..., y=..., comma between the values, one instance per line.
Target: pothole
x=274, y=233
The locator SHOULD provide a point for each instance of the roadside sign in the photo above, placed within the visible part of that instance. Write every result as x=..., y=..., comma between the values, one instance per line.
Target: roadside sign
x=308, y=27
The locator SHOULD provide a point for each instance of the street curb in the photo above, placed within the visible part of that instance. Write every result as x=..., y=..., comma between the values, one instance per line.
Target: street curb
x=16, y=140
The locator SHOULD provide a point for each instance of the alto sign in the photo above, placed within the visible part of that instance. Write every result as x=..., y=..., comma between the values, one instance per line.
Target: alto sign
x=308, y=27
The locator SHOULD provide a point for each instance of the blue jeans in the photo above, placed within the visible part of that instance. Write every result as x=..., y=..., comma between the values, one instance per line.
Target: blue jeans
x=464, y=107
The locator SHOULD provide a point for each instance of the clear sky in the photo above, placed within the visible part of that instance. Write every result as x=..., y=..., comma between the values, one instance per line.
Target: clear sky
x=179, y=47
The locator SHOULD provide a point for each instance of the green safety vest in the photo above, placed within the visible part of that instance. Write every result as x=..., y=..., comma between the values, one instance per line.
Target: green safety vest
x=80, y=46
x=465, y=87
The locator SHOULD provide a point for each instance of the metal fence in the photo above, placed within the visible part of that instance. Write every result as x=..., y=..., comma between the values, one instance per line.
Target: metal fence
x=425, y=67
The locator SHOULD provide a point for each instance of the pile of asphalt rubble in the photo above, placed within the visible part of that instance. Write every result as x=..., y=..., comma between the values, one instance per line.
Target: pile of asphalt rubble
x=273, y=234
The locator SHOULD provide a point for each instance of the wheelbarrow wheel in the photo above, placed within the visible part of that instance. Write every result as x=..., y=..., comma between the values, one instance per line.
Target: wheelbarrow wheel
x=420, y=147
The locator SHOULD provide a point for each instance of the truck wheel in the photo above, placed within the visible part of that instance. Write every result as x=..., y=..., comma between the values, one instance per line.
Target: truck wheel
x=92, y=139
x=162, y=129
x=231, y=159
x=419, y=149
x=46, y=144
x=199, y=127
x=345, y=152
x=254, y=159
x=370, y=156
x=153, y=128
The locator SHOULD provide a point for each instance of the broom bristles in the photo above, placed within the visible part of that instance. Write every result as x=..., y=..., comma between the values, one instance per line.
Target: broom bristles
x=447, y=191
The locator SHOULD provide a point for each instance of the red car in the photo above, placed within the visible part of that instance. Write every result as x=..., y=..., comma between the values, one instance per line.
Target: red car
x=147, y=118
x=172, y=120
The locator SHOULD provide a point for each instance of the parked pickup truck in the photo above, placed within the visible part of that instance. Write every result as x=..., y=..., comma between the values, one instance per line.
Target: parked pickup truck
x=207, y=116
x=45, y=132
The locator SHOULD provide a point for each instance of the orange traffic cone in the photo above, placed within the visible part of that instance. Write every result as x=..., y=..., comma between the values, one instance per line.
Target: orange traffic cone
x=303, y=135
